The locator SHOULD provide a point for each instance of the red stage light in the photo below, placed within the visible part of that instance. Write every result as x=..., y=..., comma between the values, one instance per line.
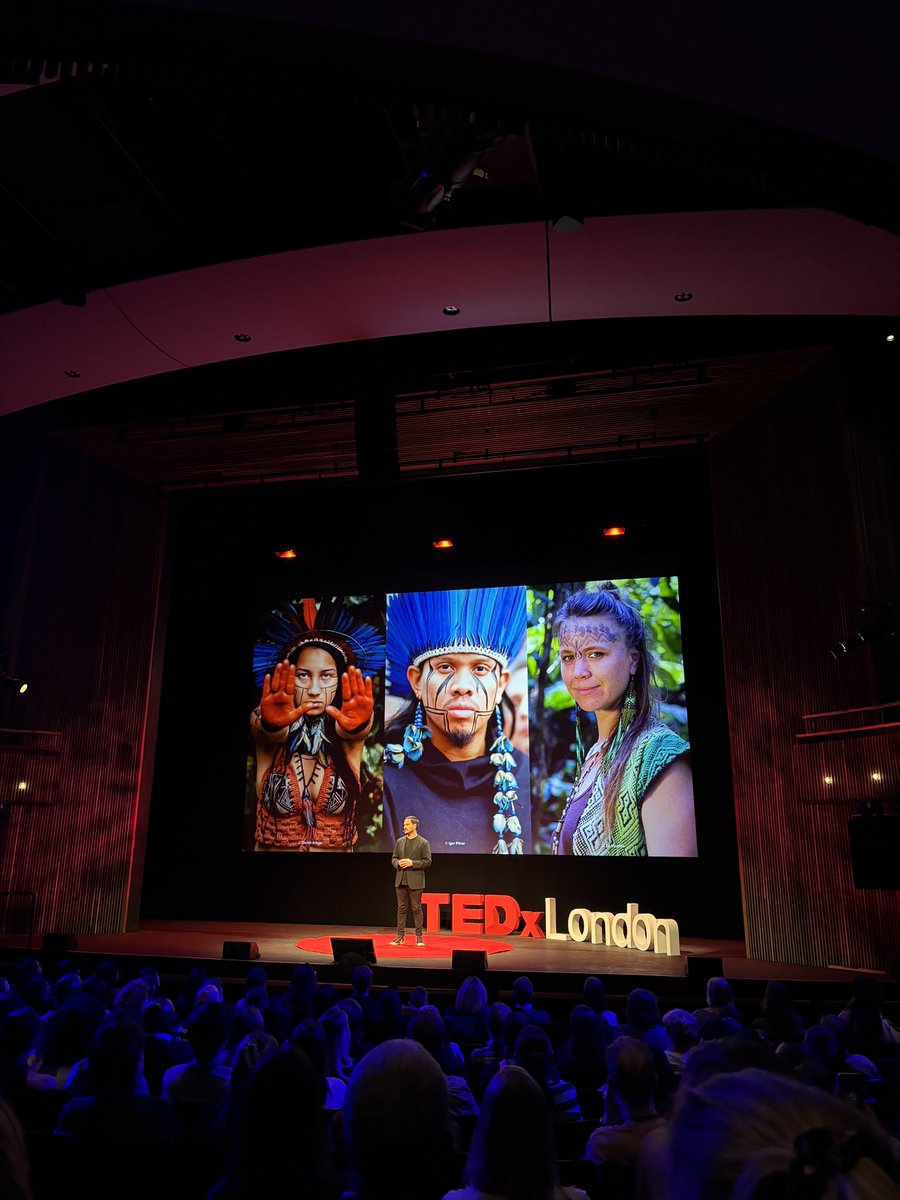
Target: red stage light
x=286, y=553
x=443, y=544
x=614, y=531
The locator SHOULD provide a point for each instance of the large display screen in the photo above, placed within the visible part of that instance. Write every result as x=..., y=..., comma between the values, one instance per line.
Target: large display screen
x=541, y=718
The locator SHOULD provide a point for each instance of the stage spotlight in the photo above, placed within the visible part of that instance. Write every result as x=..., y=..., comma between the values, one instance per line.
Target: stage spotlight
x=13, y=681
x=289, y=553
x=443, y=544
x=614, y=531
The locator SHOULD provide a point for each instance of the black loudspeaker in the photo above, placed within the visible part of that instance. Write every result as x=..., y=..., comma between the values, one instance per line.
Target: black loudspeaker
x=58, y=944
x=875, y=851
x=240, y=950
x=353, y=952
x=473, y=962
x=699, y=969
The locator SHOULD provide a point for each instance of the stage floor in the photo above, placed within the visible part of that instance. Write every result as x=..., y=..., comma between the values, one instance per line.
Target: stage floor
x=193, y=940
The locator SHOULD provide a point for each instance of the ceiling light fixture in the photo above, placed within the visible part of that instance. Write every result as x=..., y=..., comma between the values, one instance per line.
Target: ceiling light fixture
x=450, y=310
x=243, y=337
x=683, y=297
x=443, y=544
x=288, y=553
x=614, y=531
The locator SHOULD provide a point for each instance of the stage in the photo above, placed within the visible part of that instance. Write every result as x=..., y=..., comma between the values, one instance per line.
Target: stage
x=177, y=945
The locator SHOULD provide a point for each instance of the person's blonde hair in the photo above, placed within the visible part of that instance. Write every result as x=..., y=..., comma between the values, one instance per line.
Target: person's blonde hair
x=751, y=1133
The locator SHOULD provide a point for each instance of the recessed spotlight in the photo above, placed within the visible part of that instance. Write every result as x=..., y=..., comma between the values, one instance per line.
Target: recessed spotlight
x=683, y=297
x=288, y=553
x=828, y=780
x=614, y=531
x=22, y=786
x=72, y=374
x=443, y=544
x=876, y=776
x=242, y=337
x=890, y=338
x=450, y=310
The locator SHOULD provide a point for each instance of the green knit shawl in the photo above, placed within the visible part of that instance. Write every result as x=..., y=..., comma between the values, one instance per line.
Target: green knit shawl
x=656, y=748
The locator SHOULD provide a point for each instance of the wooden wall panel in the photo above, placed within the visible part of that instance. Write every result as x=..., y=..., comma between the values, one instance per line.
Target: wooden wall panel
x=83, y=629
x=802, y=536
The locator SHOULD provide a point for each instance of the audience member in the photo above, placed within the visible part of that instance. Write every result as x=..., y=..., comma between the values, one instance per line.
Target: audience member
x=118, y=1108
x=428, y=1029
x=683, y=1030
x=276, y=1135
x=720, y=1007
x=630, y=1113
x=466, y=1019
x=397, y=1099
x=534, y=1053
x=642, y=1020
x=513, y=1152
x=594, y=996
x=202, y=1082
x=751, y=1135
x=522, y=997
x=582, y=1055
x=780, y=1021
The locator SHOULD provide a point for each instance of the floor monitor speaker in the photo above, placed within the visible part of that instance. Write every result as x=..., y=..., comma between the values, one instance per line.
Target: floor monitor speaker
x=699, y=969
x=473, y=962
x=240, y=950
x=58, y=944
x=353, y=951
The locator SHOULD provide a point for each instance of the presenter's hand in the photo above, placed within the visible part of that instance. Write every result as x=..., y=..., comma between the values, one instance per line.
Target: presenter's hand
x=357, y=702
x=276, y=705
x=406, y=862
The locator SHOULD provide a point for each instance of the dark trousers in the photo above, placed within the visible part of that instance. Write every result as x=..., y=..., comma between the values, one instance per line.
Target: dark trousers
x=408, y=897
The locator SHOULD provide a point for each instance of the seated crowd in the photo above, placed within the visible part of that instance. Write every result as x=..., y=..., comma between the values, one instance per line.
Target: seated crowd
x=326, y=1092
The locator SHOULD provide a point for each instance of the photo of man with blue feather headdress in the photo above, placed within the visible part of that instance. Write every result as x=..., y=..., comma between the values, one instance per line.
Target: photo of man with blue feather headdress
x=318, y=666
x=449, y=757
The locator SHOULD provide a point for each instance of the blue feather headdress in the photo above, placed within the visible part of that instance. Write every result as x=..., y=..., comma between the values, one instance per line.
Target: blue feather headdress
x=489, y=621
x=330, y=624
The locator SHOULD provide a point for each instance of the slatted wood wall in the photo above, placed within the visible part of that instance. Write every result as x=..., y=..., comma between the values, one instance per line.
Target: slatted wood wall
x=803, y=534
x=84, y=618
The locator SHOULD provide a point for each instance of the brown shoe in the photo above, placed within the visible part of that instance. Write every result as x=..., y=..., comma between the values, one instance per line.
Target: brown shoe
x=420, y=941
x=398, y=941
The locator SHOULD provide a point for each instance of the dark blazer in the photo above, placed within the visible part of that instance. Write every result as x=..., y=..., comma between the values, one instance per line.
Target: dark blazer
x=420, y=852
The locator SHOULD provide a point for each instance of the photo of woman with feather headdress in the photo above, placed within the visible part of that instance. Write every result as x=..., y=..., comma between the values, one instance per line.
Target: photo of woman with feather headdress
x=316, y=665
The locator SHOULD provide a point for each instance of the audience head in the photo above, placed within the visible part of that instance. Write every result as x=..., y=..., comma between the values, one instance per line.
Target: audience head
x=361, y=979
x=283, y=1091
x=116, y=1056
x=209, y=993
x=729, y=1054
x=471, y=997
x=428, y=1029
x=750, y=1135
x=594, y=994
x=67, y=986
x=522, y=990
x=641, y=1009
x=150, y=976
x=256, y=977
x=250, y=1050
x=496, y=1019
x=513, y=1152
x=418, y=997
x=719, y=993
x=534, y=1052
x=397, y=1087
x=682, y=1028
x=131, y=998
x=159, y=1015
x=207, y=1029
x=632, y=1074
